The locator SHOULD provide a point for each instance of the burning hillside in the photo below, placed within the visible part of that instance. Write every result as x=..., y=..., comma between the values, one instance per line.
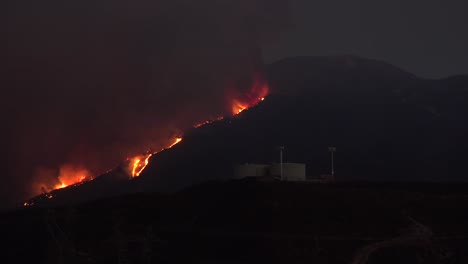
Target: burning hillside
x=107, y=81
x=257, y=93
x=138, y=163
x=135, y=165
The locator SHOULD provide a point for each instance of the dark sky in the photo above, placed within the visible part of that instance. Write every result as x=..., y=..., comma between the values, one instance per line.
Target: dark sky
x=426, y=37
x=86, y=83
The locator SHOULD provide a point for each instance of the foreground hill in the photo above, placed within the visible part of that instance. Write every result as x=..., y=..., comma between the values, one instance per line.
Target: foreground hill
x=246, y=221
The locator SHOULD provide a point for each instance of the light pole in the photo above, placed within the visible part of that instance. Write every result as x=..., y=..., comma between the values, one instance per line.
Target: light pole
x=332, y=151
x=281, y=148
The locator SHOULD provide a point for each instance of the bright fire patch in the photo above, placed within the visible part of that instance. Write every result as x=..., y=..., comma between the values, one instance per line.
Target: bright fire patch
x=139, y=163
x=257, y=93
x=70, y=175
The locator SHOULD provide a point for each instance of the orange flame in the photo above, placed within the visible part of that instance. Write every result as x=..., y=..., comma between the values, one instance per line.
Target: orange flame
x=257, y=93
x=238, y=107
x=177, y=140
x=139, y=164
x=60, y=186
x=209, y=121
x=70, y=175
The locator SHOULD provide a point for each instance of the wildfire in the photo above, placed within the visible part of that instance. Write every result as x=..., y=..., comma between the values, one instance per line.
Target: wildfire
x=70, y=175
x=175, y=142
x=60, y=186
x=256, y=94
x=139, y=163
x=238, y=107
x=209, y=121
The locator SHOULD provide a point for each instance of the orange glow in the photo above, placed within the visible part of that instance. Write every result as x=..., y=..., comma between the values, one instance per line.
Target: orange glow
x=202, y=123
x=177, y=140
x=209, y=121
x=139, y=164
x=70, y=175
x=60, y=186
x=257, y=93
x=136, y=164
x=238, y=107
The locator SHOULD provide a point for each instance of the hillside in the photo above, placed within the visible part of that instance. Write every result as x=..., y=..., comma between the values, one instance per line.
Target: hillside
x=386, y=124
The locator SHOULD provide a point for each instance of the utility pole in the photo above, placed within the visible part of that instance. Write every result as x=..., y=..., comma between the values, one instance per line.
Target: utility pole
x=332, y=150
x=281, y=148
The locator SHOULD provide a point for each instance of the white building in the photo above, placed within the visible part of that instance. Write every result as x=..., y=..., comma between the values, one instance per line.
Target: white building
x=251, y=170
x=291, y=171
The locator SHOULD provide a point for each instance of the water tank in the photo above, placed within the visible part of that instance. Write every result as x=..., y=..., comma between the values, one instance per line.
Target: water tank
x=291, y=171
x=251, y=170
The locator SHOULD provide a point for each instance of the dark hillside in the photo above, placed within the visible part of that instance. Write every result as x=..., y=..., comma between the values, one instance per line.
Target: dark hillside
x=246, y=221
x=386, y=124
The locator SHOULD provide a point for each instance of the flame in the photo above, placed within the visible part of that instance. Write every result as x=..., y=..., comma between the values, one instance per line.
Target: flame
x=202, y=123
x=209, y=121
x=136, y=164
x=28, y=204
x=60, y=186
x=177, y=140
x=139, y=163
x=257, y=93
x=70, y=175
x=238, y=107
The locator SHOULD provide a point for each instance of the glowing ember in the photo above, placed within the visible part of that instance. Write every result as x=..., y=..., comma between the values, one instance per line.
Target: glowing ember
x=202, y=123
x=208, y=122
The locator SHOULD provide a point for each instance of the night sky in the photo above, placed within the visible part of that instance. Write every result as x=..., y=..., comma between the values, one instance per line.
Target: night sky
x=87, y=83
x=425, y=37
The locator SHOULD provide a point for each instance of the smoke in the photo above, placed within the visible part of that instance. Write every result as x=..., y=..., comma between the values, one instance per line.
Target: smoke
x=87, y=83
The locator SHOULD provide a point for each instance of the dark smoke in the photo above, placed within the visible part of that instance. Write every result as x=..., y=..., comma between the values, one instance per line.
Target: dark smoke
x=89, y=82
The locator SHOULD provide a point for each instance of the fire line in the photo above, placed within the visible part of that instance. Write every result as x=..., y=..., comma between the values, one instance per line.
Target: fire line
x=137, y=164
